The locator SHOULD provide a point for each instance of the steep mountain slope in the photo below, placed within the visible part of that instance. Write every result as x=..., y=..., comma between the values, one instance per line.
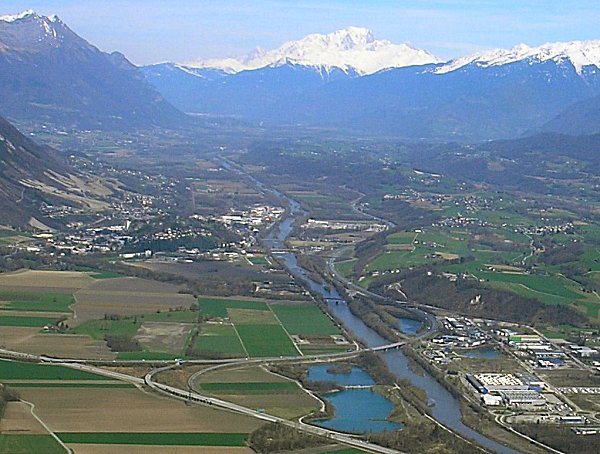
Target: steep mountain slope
x=263, y=94
x=471, y=103
x=31, y=175
x=48, y=73
x=582, y=117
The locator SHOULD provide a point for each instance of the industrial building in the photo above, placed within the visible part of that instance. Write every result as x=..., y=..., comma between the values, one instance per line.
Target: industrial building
x=527, y=397
x=500, y=382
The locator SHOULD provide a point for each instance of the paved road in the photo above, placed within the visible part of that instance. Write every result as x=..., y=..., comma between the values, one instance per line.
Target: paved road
x=90, y=366
x=326, y=356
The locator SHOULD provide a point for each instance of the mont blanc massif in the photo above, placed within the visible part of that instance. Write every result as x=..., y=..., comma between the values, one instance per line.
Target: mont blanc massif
x=340, y=245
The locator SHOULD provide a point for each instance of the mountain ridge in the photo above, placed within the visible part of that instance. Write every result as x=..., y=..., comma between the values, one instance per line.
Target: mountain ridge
x=579, y=53
x=49, y=73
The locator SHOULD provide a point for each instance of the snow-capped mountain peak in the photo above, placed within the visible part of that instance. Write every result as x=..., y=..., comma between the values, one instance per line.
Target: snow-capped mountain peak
x=578, y=53
x=16, y=17
x=29, y=31
x=352, y=49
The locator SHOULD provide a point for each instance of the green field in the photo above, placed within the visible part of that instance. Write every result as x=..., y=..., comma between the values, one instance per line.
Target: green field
x=556, y=286
x=99, y=329
x=433, y=246
x=27, y=444
x=391, y=260
x=60, y=384
x=12, y=370
x=217, y=308
x=258, y=260
x=96, y=273
x=266, y=340
x=35, y=322
x=305, y=319
x=219, y=339
x=160, y=439
x=105, y=275
x=38, y=302
x=345, y=268
x=128, y=326
x=401, y=238
x=249, y=387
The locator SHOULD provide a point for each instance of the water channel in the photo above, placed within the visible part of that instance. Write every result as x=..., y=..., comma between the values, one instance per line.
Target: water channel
x=446, y=409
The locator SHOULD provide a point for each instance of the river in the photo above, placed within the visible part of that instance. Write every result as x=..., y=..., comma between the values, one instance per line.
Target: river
x=446, y=409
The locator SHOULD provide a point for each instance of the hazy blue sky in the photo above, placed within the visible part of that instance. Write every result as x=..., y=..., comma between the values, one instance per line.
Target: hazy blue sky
x=149, y=31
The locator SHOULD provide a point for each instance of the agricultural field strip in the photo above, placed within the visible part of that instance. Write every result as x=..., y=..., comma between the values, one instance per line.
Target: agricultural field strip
x=220, y=307
x=62, y=384
x=30, y=443
x=14, y=370
x=305, y=319
x=36, y=322
x=220, y=338
x=156, y=438
x=284, y=329
x=240, y=338
x=248, y=387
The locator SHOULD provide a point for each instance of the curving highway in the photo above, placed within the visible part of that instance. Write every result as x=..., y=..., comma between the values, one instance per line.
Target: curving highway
x=194, y=396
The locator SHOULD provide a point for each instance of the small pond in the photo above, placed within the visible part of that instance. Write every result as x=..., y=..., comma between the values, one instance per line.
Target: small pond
x=409, y=326
x=356, y=410
x=484, y=353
